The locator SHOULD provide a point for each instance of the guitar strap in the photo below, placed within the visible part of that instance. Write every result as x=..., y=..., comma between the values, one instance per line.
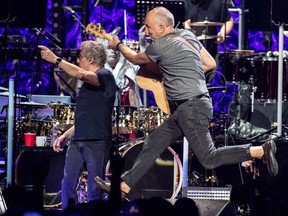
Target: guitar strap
x=186, y=43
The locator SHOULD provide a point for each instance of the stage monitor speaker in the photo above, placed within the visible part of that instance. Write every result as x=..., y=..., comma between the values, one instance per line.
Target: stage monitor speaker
x=211, y=200
x=50, y=163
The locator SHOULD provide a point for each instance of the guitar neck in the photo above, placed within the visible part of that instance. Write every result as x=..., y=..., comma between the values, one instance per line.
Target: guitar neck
x=97, y=31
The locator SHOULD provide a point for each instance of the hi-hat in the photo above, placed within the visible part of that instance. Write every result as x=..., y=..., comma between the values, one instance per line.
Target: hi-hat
x=3, y=88
x=6, y=94
x=206, y=23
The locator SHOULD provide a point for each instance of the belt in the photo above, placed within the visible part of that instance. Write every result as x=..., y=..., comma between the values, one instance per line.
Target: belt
x=177, y=103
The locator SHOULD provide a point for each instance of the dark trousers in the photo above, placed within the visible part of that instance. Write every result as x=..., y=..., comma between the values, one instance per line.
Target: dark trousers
x=191, y=119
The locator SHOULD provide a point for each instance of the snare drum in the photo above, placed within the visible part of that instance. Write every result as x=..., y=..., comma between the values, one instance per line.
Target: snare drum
x=164, y=179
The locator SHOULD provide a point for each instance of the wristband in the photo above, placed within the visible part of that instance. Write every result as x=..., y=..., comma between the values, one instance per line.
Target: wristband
x=117, y=46
x=58, y=61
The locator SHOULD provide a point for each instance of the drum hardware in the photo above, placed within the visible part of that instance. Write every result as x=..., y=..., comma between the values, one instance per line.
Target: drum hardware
x=63, y=114
x=211, y=178
x=151, y=118
x=125, y=120
x=132, y=44
x=196, y=179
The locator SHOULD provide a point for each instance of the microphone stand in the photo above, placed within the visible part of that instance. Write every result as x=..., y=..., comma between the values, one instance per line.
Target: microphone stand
x=80, y=23
x=39, y=32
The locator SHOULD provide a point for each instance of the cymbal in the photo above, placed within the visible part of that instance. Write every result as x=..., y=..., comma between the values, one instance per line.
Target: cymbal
x=6, y=94
x=216, y=88
x=208, y=37
x=206, y=23
x=3, y=88
x=31, y=104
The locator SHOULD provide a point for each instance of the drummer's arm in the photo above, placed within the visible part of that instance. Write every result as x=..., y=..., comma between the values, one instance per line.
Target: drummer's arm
x=226, y=27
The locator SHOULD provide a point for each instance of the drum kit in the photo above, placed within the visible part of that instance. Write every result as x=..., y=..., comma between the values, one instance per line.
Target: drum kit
x=39, y=118
x=259, y=71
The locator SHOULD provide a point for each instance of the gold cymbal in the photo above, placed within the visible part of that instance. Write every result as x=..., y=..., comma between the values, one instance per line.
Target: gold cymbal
x=206, y=23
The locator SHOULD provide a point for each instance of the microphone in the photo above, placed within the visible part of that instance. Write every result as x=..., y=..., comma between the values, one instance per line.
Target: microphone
x=67, y=8
x=15, y=62
x=96, y=3
x=116, y=31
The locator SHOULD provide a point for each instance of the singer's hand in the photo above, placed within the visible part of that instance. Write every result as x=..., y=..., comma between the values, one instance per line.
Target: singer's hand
x=47, y=54
x=58, y=144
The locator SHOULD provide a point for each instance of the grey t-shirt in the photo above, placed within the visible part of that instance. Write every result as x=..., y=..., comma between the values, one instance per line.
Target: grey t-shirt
x=181, y=66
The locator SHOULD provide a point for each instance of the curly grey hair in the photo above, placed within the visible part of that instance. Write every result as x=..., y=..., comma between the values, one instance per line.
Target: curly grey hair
x=94, y=51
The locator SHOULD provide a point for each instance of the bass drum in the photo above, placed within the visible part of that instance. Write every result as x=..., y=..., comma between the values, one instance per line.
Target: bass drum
x=164, y=179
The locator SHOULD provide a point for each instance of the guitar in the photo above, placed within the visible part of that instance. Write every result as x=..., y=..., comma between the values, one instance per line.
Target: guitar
x=148, y=77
